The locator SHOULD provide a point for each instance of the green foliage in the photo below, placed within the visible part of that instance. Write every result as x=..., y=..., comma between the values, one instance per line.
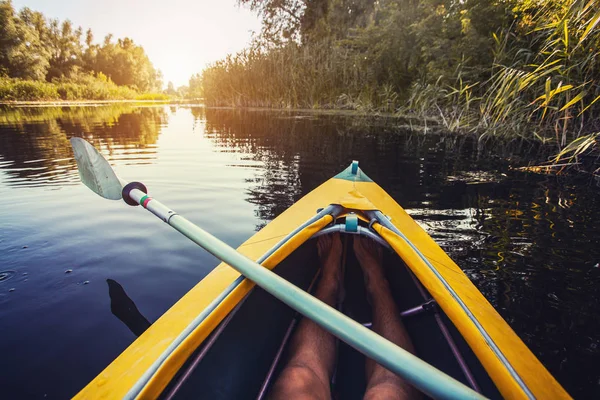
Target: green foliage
x=356, y=53
x=124, y=62
x=65, y=47
x=78, y=87
x=22, y=53
x=526, y=68
x=282, y=19
x=37, y=49
x=152, y=97
x=16, y=89
x=195, y=89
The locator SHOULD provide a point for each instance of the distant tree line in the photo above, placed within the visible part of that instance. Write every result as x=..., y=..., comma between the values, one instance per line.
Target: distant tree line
x=33, y=47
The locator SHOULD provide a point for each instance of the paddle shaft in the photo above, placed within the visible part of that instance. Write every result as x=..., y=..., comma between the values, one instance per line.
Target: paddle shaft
x=420, y=374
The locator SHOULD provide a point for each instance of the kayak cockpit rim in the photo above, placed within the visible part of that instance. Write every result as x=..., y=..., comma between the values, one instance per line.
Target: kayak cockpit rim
x=350, y=226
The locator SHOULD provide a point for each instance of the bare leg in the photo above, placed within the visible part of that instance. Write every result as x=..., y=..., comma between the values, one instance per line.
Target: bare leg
x=312, y=362
x=381, y=383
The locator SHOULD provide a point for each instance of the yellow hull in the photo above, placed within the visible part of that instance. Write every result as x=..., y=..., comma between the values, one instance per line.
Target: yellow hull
x=515, y=371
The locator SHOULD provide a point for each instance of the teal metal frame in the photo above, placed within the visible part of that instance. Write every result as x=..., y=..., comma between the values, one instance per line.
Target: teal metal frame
x=166, y=215
x=420, y=374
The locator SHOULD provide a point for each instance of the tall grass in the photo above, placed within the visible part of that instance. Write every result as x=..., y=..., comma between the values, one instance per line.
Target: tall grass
x=547, y=89
x=317, y=75
x=543, y=85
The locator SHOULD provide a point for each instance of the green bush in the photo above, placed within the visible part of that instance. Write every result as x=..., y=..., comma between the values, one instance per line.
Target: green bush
x=77, y=87
x=14, y=89
x=153, y=96
x=69, y=91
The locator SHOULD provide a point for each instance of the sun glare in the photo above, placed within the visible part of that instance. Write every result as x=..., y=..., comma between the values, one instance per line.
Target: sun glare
x=179, y=36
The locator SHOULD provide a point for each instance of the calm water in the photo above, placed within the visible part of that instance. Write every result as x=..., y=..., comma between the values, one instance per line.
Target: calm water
x=529, y=242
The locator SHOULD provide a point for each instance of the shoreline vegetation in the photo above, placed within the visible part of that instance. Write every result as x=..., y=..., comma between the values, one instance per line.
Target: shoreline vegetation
x=45, y=59
x=502, y=69
x=80, y=88
x=525, y=69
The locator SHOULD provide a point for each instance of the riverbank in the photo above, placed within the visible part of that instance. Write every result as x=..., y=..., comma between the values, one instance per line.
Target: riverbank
x=83, y=103
x=513, y=70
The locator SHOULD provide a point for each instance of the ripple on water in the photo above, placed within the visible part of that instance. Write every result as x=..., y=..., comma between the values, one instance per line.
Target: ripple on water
x=6, y=275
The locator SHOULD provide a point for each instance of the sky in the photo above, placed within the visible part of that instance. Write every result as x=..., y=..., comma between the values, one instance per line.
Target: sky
x=179, y=36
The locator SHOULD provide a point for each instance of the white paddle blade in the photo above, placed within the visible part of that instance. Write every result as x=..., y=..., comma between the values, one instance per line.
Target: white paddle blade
x=95, y=172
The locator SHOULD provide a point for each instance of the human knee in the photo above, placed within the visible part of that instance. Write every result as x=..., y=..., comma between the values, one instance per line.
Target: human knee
x=299, y=382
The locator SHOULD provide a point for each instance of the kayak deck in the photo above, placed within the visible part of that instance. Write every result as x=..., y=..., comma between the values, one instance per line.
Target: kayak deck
x=237, y=364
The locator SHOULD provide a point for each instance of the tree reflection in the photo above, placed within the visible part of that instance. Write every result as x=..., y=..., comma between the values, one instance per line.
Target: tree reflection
x=34, y=141
x=299, y=152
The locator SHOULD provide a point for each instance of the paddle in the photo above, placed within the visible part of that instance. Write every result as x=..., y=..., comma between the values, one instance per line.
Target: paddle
x=97, y=174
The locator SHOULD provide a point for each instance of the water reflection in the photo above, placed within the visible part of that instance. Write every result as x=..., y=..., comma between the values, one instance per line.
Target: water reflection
x=529, y=242
x=298, y=153
x=34, y=144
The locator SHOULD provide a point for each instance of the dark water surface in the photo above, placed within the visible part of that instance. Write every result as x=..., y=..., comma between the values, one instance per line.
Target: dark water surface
x=529, y=242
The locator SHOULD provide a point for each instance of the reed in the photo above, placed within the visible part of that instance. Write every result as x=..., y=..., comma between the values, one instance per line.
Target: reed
x=543, y=85
x=317, y=75
x=540, y=81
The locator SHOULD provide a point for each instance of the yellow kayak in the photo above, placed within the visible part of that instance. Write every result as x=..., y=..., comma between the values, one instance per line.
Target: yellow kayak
x=226, y=338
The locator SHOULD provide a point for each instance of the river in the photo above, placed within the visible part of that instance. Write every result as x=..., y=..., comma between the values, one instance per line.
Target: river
x=529, y=242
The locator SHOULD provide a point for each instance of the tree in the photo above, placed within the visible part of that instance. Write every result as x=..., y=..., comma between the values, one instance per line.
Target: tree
x=309, y=20
x=66, y=50
x=125, y=63
x=171, y=89
x=335, y=19
x=22, y=53
x=32, y=47
x=8, y=35
x=282, y=19
x=183, y=92
x=90, y=53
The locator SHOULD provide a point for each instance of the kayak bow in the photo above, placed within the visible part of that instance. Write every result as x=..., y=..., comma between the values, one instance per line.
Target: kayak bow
x=148, y=366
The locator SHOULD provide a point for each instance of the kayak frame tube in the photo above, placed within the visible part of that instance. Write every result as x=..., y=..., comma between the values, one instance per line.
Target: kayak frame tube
x=444, y=329
x=385, y=222
x=417, y=372
x=209, y=343
x=288, y=334
x=332, y=210
x=360, y=231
